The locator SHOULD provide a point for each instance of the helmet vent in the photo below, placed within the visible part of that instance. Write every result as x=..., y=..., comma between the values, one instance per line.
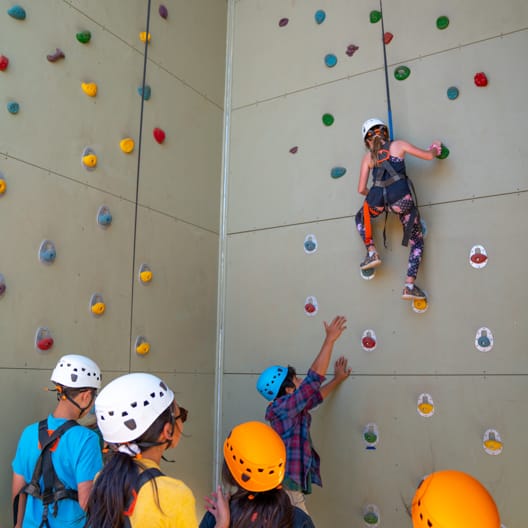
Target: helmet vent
x=130, y=424
x=163, y=386
x=152, y=394
x=429, y=523
x=145, y=403
x=111, y=413
x=260, y=470
x=124, y=413
x=133, y=405
x=74, y=377
x=245, y=477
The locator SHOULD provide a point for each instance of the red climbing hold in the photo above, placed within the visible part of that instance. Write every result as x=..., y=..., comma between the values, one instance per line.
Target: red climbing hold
x=478, y=258
x=387, y=37
x=368, y=342
x=4, y=63
x=480, y=79
x=45, y=344
x=159, y=135
x=309, y=307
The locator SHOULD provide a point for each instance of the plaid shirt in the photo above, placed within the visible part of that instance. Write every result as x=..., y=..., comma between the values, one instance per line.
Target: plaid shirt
x=289, y=416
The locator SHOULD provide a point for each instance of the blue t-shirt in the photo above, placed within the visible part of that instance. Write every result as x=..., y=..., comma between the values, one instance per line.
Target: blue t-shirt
x=77, y=458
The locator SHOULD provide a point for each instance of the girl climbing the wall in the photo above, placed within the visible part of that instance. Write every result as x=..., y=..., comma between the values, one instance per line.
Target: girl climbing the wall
x=391, y=192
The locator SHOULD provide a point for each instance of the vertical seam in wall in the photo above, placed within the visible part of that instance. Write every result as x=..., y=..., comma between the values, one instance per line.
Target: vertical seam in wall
x=222, y=248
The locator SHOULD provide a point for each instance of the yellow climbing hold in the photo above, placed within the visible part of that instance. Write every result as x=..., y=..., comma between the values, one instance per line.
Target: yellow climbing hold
x=420, y=304
x=90, y=160
x=89, y=89
x=127, y=145
x=98, y=308
x=145, y=276
x=493, y=445
x=3, y=186
x=425, y=408
x=143, y=36
x=143, y=348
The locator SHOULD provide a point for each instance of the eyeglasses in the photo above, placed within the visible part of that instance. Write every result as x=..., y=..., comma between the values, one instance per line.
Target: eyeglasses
x=182, y=416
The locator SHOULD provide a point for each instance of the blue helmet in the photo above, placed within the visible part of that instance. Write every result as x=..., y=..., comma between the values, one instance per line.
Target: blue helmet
x=270, y=381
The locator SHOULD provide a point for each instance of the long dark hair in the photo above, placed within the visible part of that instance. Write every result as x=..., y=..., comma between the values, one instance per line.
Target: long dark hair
x=377, y=142
x=112, y=489
x=265, y=509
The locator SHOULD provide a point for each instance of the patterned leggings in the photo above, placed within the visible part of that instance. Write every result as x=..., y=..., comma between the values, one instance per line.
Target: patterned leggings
x=403, y=208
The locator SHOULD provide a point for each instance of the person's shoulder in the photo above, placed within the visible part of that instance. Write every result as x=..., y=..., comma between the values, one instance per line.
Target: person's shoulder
x=301, y=519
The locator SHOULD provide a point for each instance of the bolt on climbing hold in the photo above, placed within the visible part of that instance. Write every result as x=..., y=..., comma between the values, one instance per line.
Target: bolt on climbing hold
x=310, y=244
x=104, y=216
x=144, y=36
x=480, y=79
x=89, y=89
x=387, y=37
x=351, y=49
x=425, y=405
x=17, y=12
x=310, y=306
x=163, y=11
x=371, y=515
x=371, y=435
x=84, y=37
x=54, y=57
x=144, y=92
x=4, y=63
x=43, y=338
x=319, y=16
x=283, y=22
x=375, y=16
x=127, y=145
x=47, y=252
x=89, y=159
x=492, y=442
x=442, y=22
x=368, y=340
x=478, y=257
x=142, y=346
x=3, y=286
x=337, y=172
x=13, y=107
x=328, y=119
x=97, y=305
x=3, y=185
x=402, y=72
x=145, y=274
x=452, y=93
x=159, y=135
x=484, y=339
x=294, y=150
x=330, y=60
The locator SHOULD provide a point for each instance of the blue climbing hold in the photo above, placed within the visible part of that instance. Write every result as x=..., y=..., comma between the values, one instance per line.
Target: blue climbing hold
x=484, y=341
x=104, y=216
x=17, y=12
x=320, y=16
x=337, y=172
x=452, y=92
x=310, y=246
x=144, y=92
x=13, y=107
x=330, y=60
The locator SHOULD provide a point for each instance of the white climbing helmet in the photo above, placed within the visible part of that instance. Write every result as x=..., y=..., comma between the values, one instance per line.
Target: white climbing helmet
x=129, y=405
x=76, y=372
x=370, y=123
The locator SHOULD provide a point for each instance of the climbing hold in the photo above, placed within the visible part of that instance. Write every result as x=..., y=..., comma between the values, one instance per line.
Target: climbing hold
x=104, y=216
x=54, y=57
x=401, y=73
x=310, y=306
x=142, y=346
x=442, y=22
x=387, y=37
x=89, y=89
x=163, y=11
x=484, y=339
x=330, y=60
x=13, y=107
x=47, y=252
x=3, y=286
x=127, y=145
x=144, y=92
x=478, y=258
x=97, y=305
x=420, y=305
x=310, y=244
x=368, y=340
x=425, y=405
x=328, y=119
x=371, y=515
x=368, y=274
x=283, y=22
x=480, y=79
x=375, y=16
x=43, y=339
x=4, y=63
x=337, y=172
x=320, y=16
x=371, y=435
x=144, y=36
x=3, y=185
x=452, y=93
x=444, y=152
x=83, y=37
x=351, y=49
x=294, y=150
x=159, y=135
x=17, y=12
x=492, y=442
x=89, y=159
x=145, y=274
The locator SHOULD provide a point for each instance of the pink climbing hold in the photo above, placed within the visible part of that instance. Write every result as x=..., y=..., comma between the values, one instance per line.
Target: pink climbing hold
x=54, y=57
x=387, y=37
x=294, y=150
x=163, y=11
x=159, y=135
x=4, y=63
x=480, y=79
x=283, y=22
x=351, y=49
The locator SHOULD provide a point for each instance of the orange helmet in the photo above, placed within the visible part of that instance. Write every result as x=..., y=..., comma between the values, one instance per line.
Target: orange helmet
x=452, y=499
x=256, y=456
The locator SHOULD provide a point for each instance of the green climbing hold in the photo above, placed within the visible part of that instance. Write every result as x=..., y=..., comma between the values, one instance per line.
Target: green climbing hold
x=328, y=119
x=84, y=37
x=375, y=16
x=370, y=518
x=444, y=153
x=337, y=172
x=370, y=437
x=442, y=22
x=401, y=73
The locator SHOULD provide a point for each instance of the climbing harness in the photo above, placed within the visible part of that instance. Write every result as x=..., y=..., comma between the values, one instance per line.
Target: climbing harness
x=141, y=480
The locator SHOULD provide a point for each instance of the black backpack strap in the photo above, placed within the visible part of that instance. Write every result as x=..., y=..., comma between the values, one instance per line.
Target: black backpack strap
x=141, y=480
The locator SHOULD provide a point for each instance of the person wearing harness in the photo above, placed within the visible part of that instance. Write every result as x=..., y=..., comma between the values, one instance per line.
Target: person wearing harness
x=391, y=191
x=139, y=420
x=253, y=469
x=57, y=459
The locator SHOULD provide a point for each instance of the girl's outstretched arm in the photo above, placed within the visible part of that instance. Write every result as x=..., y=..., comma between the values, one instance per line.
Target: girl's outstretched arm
x=399, y=148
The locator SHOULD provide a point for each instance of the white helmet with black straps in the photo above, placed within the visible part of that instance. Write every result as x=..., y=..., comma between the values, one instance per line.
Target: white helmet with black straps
x=129, y=405
x=371, y=123
x=76, y=372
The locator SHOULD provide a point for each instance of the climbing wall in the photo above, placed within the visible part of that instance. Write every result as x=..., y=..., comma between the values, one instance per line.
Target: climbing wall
x=435, y=387
x=109, y=204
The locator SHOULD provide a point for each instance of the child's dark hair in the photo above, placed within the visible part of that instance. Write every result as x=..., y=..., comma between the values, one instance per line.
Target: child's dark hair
x=288, y=382
x=112, y=489
x=265, y=509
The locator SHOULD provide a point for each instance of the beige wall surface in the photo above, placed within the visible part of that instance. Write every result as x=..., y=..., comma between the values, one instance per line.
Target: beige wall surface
x=164, y=200
x=477, y=196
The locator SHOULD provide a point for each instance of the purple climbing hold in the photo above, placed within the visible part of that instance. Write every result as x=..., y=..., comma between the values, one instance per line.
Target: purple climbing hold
x=283, y=22
x=163, y=11
x=351, y=49
x=294, y=150
x=54, y=57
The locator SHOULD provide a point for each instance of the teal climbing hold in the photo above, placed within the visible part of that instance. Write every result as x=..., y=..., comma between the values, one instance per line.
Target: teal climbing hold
x=144, y=92
x=337, y=172
x=402, y=72
x=375, y=16
x=320, y=16
x=13, y=107
x=17, y=12
x=330, y=60
x=328, y=119
x=452, y=93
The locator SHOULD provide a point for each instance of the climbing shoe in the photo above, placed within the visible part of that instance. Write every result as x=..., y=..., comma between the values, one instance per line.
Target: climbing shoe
x=370, y=261
x=410, y=294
